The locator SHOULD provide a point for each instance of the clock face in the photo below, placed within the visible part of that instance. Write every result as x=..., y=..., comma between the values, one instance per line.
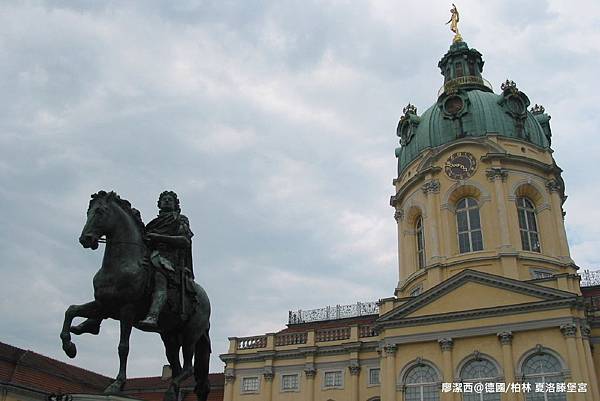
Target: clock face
x=460, y=165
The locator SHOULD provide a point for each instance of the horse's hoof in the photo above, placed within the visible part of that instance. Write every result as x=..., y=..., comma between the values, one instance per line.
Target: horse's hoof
x=69, y=348
x=115, y=387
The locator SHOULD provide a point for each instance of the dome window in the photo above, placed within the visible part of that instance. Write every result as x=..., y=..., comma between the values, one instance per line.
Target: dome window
x=470, y=238
x=420, y=237
x=530, y=238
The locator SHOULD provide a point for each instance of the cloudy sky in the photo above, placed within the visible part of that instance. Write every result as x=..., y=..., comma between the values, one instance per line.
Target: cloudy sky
x=275, y=123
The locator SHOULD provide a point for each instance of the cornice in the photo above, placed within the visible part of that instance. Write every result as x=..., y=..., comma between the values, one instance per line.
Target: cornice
x=302, y=352
x=507, y=157
x=480, y=313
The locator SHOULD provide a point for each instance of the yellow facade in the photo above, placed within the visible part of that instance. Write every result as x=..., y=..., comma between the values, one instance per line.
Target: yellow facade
x=502, y=308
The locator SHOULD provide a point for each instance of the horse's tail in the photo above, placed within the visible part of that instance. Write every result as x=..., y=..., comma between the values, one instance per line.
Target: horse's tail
x=201, y=366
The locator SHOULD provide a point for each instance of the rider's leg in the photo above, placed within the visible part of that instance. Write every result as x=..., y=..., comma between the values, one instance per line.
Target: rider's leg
x=159, y=298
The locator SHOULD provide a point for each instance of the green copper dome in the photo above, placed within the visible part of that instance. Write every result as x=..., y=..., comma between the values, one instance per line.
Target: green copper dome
x=467, y=107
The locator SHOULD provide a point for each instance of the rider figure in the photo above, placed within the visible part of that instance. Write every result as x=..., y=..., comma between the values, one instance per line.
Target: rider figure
x=170, y=241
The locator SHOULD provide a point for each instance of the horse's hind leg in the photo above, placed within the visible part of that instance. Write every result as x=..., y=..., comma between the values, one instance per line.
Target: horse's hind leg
x=171, y=343
x=126, y=316
x=201, y=366
x=189, y=341
x=89, y=310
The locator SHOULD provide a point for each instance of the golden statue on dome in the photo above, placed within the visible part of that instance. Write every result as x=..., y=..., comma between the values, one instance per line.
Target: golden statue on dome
x=454, y=18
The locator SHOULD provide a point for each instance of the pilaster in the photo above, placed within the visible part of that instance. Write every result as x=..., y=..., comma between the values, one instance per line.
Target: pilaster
x=569, y=332
x=505, y=339
x=388, y=386
x=229, y=384
x=446, y=345
x=431, y=189
x=354, y=369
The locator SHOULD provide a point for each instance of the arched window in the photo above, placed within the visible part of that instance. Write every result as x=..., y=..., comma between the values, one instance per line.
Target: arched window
x=420, y=242
x=479, y=371
x=543, y=368
x=470, y=238
x=530, y=239
x=422, y=384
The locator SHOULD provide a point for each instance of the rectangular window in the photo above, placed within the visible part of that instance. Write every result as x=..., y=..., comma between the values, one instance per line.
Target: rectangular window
x=250, y=385
x=458, y=68
x=541, y=274
x=463, y=240
x=477, y=240
x=289, y=382
x=332, y=379
x=373, y=376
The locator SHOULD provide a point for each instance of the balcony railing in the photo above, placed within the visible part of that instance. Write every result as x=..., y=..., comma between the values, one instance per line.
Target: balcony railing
x=291, y=338
x=366, y=331
x=334, y=334
x=252, y=342
x=466, y=80
x=333, y=312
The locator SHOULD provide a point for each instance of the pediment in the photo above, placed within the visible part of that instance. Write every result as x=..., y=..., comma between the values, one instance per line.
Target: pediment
x=474, y=290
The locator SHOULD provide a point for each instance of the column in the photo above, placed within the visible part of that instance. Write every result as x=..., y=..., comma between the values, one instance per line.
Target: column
x=431, y=228
x=569, y=331
x=354, y=375
x=310, y=373
x=583, y=366
x=402, y=266
x=229, y=384
x=498, y=176
x=505, y=338
x=446, y=344
x=589, y=360
x=388, y=392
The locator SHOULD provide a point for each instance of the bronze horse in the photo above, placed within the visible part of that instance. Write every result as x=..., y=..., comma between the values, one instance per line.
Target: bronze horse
x=122, y=291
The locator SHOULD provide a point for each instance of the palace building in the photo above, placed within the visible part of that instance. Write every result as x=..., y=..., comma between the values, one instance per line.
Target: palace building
x=487, y=290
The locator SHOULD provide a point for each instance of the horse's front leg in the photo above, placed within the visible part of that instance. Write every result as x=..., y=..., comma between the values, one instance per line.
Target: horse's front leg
x=126, y=317
x=89, y=310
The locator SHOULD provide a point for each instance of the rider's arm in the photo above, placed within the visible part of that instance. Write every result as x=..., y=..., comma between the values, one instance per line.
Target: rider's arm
x=180, y=241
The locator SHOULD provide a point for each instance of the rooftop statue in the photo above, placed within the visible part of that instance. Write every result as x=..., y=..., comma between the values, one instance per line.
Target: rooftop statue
x=146, y=281
x=454, y=18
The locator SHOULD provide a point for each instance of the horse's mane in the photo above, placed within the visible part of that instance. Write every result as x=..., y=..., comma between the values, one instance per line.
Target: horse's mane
x=124, y=204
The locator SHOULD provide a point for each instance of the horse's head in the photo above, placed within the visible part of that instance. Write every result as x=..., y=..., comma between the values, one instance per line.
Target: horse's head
x=110, y=215
x=99, y=219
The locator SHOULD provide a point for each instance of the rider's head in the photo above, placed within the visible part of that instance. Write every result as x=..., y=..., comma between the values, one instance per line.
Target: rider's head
x=168, y=202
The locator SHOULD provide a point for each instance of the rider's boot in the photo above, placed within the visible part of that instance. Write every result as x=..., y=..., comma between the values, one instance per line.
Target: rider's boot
x=159, y=298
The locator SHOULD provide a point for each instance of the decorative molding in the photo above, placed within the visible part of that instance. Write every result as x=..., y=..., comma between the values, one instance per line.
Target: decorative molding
x=586, y=331
x=553, y=186
x=229, y=377
x=268, y=376
x=496, y=173
x=390, y=349
x=446, y=344
x=399, y=215
x=432, y=186
x=505, y=337
x=310, y=373
x=354, y=369
x=568, y=330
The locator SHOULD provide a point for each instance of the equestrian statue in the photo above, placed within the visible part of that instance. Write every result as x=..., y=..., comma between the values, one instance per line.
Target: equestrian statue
x=146, y=281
